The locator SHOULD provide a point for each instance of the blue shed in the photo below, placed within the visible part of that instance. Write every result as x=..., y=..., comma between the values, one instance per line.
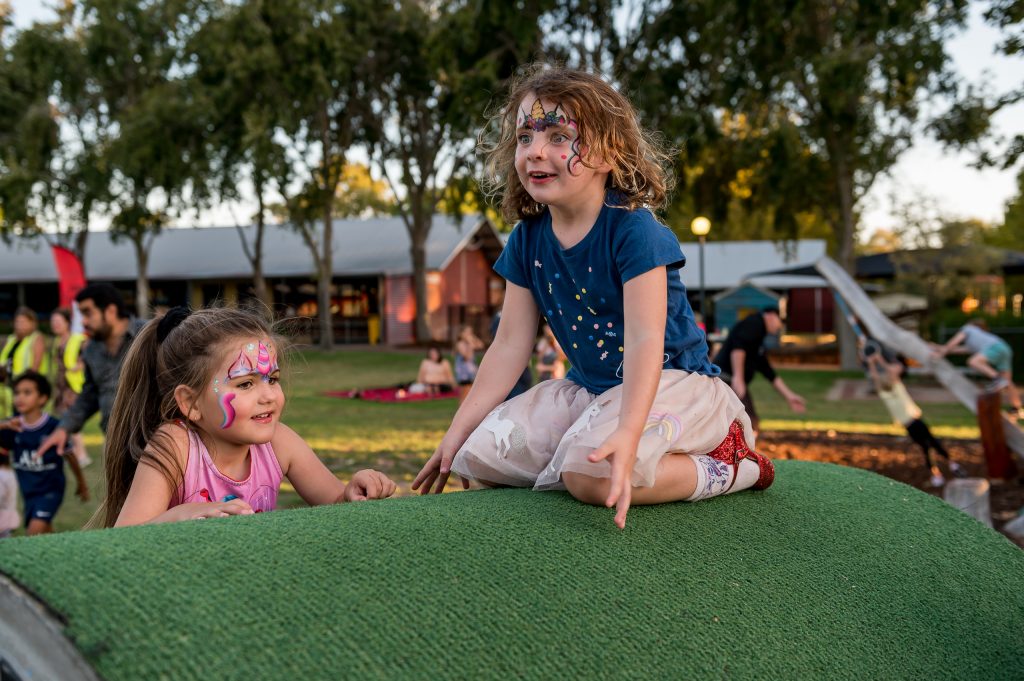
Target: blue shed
x=733, y=305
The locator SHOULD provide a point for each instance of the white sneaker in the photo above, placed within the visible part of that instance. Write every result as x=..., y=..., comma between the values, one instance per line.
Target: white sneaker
x=938, y=481
x=84, y=461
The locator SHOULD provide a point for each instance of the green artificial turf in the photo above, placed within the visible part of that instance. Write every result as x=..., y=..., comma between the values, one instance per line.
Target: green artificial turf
x=832, y=573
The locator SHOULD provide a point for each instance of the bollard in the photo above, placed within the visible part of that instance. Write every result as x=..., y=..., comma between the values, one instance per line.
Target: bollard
x=970, y=495
x=999, y=464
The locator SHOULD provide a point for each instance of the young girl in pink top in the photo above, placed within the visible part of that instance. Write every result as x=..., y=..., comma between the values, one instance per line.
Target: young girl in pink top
x=195, y=430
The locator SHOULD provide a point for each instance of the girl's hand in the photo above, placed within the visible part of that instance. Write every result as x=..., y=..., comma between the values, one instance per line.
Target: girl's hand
x=204, y=509
x=438, y=468
x=368, y=484
x=620, y=450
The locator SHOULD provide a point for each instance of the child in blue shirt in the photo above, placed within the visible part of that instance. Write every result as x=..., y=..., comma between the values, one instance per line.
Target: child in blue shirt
x=40, y=474
x=642, y=416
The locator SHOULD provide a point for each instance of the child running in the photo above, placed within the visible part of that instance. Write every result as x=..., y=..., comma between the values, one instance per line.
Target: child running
x=40, y=474
x=905, y=412
x=196, y=430
x=641, y=416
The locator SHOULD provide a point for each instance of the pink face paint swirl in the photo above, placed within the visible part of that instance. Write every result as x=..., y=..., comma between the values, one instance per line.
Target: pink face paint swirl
x=263, y=362
x=229, y=411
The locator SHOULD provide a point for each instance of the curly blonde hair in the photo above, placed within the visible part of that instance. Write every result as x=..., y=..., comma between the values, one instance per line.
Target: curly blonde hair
x=607, y=124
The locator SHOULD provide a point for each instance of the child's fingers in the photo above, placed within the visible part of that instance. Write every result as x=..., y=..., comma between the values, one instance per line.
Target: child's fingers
x=429, y=468
x=373, y=487
x=421, y=477
x=442, y=480
x=623, y=507
x=424, y=481
x=446, y=463
x=209, y=513
x=602, y=452
x=615, y=488
x=236, y=507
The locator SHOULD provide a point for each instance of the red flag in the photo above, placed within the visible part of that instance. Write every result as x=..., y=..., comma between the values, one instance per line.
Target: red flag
x=69, y=273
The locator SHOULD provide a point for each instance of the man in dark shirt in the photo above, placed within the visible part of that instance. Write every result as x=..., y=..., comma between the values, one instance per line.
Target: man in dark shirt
x=743, y=354
x=111, y=332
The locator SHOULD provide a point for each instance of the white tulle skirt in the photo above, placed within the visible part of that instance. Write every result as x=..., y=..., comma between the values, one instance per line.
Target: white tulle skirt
x=530, y=440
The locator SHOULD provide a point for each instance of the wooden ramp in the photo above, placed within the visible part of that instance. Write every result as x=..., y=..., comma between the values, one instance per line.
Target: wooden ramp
x=911, y=345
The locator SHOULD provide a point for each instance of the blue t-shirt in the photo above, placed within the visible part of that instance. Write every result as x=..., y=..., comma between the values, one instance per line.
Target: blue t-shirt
x=35, y=476
x=579, y=291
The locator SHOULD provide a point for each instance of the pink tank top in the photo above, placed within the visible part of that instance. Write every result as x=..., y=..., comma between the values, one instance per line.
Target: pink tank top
x=203, y=482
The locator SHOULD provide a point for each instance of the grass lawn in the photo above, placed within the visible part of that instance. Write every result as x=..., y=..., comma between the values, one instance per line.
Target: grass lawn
x=398, y=438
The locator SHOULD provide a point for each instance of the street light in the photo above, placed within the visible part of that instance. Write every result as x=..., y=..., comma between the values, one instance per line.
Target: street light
x=700, y=227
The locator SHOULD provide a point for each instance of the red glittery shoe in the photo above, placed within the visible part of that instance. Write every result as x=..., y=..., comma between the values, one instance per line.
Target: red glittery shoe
x=734, y=449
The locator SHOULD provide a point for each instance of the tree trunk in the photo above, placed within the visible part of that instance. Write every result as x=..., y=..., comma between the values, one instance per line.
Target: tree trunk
x=141, y=280
x=324, y=283
x=848, y=358
x=844, y=190
x=418, y=253
x=259, y=282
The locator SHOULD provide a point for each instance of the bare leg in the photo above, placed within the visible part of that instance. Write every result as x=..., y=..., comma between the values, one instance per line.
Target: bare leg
x=1011, y=390
x=676, y=479
x=978, y=362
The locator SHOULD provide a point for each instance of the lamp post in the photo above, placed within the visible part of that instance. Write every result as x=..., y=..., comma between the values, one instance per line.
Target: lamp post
x=700, y=227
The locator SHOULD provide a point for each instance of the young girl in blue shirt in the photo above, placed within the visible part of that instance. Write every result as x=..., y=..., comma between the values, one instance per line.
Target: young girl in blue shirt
x=641, y=417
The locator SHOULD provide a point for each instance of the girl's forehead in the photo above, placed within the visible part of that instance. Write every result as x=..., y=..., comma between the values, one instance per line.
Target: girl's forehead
x=533, y=108
x=231, y=349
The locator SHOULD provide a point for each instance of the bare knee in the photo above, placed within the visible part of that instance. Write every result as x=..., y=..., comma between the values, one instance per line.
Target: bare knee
x=589, y=490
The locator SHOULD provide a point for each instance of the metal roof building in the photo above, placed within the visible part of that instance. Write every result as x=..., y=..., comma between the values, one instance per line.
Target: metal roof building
x=361, y=247
x=372, y=271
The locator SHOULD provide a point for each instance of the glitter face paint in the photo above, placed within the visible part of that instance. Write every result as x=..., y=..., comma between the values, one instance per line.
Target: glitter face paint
x=539, y=120
x=264, y=367
x=243, y=365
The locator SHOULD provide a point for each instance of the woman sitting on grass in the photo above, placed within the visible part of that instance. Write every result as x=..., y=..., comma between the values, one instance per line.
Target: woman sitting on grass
x=196, y=427
x=435, y=374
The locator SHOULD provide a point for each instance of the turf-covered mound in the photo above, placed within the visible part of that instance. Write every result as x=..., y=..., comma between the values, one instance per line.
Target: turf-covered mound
x=832, y=573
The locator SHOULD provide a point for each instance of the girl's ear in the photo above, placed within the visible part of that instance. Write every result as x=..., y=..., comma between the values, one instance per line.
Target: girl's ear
x=186, y=400
x=603, y=167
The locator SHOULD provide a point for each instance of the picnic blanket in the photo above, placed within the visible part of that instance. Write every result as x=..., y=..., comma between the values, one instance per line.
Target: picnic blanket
x=389, y=394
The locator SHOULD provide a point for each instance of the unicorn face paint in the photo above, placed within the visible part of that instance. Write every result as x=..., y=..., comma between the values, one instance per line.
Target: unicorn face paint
x=246, y=394
x=549, y=155
x=564, y=131
x=243, y=365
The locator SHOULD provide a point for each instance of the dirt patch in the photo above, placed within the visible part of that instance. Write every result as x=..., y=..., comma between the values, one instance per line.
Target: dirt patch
x=894, y=457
